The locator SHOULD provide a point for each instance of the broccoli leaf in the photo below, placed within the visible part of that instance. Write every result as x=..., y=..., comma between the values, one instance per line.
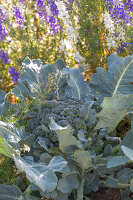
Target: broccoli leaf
x=33, y=78
x=83, y=158
x=118, y=78
x=42, y=175
x=114, y=110
x=4, y=104
x=77, y=87
x=5, y=148
x=116, y=161
x=8, y=192
x=128, y=152
x=66, y=140
x=68, y=182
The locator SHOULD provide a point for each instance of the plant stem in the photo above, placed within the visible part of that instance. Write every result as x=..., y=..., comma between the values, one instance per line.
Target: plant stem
x=81, y=187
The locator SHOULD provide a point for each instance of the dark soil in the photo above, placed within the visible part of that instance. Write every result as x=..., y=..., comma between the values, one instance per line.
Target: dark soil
x=106, y=194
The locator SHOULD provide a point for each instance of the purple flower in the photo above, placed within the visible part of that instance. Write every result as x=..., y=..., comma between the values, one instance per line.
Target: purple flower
x=51, y=19
x=3, y=32
x=53, y=8
x=22, y=1
x=14, y=74
x=120, y=11
x=18, y=15
x=4, y=57
x=42, y=10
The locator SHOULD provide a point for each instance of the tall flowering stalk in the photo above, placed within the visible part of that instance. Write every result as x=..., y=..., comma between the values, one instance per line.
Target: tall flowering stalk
x=19, y=18
x=52, y=29
x=119, y=17
x=69, y=43
x=3, y=31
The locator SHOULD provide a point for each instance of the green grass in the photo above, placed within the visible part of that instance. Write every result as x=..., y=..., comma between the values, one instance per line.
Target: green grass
x=7, y=170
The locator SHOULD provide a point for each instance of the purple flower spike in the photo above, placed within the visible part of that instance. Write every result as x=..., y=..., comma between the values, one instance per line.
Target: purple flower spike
x=14, y=74
x=4, y=57
x=18, y=15
x=3, y=32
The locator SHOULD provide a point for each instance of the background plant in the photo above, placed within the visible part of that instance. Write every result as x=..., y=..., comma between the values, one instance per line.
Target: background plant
x=40, y=29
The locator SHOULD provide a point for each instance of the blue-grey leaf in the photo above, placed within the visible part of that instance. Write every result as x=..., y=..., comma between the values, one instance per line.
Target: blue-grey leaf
x=81, y=136
x=83, y=158
x=68, y=182
x=91, y=182
x=8, y=192
x=26, y=61
x=116, y=161
x=128, y=140
x=131, y=185
x=121, y=68
x=118, y=79
x=103, y=171
x=108, y=150
x=111, y=182
x=33, y=78
x=44, y=142
x=10, y=132
x=57, y=164
x=10, y=135
x=59, y=65
x=124, y=175
x=21, y=91
x=128, y=152
x=27, y=140
x=3, y=102
x=61, y=196
x=38, y=174
x=51, y=195
x=66, y=139
x=87, y=114
x=46, y=158
x=114, y=110
x=77, y=86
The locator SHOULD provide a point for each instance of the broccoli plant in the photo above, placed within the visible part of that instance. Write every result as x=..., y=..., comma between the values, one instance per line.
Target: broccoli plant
x=65, y=139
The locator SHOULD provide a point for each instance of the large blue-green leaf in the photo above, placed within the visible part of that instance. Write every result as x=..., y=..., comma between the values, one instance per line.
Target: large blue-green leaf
x=8, y=192
x=118, y=78
x=21, y=91
x=114, y=110
x=10, y=132
x=33, y=78
x=77, y=86
x=10, y=136
x=42, y=175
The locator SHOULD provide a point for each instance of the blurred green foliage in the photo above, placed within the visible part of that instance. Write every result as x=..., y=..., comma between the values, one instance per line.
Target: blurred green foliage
x=34, y=42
